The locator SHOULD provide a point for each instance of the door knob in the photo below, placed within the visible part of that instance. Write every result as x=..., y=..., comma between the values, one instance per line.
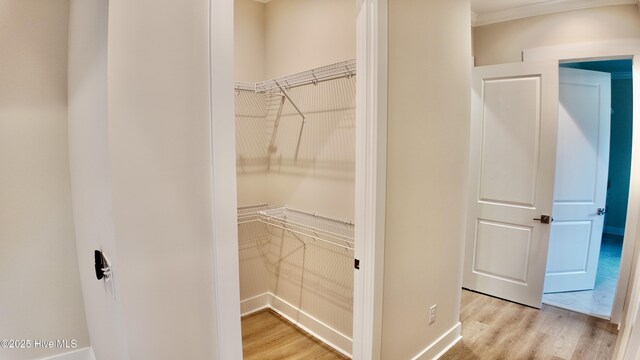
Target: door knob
x=545, y=219
x=602, y=211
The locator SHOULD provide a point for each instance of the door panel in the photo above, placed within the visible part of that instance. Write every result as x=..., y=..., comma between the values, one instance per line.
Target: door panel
x=513, y=240
x=581, y=180
x=512, y=164
x=508, y=176
x=574, y=239
x=577, y=160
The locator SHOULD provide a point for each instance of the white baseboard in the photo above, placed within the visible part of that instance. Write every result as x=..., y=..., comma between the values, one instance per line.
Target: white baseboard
x=441, y=345
x=306, y=322
x=255, y=304
x=614, y=230
x=313, y=326
x=80, y=354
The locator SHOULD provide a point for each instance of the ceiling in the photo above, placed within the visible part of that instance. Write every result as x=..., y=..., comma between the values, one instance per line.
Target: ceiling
x=492, y=11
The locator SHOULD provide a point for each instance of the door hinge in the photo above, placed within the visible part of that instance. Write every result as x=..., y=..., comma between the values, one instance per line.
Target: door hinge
x=356, y=264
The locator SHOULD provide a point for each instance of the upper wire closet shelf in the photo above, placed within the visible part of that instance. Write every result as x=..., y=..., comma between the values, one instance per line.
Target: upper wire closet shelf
x=247, y=214
x=319, y=228
x=314, y=76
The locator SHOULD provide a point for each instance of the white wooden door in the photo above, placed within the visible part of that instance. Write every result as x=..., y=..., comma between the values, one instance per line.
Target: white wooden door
x=582, y=169
x=512, y=165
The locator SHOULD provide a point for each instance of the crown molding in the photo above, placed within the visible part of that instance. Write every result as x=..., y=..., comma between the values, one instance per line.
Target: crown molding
x=543, y=8
x=262, y=1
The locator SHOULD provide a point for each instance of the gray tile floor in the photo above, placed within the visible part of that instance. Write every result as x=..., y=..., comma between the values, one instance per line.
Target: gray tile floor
x=599, y=301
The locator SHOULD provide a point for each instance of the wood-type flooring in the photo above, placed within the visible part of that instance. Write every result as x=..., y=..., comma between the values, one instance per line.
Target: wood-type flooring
x=496, y=329
x=492, y=329
x=268, y=336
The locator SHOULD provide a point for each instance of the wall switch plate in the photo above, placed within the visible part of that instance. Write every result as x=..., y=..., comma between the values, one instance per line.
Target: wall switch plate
x=432, y=313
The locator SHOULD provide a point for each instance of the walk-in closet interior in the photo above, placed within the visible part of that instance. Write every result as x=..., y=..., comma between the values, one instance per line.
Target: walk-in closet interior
x=295, y=148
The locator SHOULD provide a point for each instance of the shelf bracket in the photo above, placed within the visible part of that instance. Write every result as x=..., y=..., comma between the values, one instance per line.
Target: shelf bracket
x=291, y=101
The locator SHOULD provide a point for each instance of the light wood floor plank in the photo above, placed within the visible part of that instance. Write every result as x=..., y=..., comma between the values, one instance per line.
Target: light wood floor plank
x=268, y=336
x=494, y=329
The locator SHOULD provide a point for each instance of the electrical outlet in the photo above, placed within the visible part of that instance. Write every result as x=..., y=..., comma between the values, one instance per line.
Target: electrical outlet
x=432, y=313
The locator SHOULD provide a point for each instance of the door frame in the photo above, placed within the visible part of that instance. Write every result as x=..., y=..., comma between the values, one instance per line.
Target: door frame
x=370, y=182
x=627, y=295
x=225, y=316
x=371, y=174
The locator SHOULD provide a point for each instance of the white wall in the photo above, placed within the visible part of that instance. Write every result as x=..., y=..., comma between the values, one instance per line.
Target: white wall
x=40, y=296
x=161, y=170
x=503, y=42
x=90, y=175
x=143, y=177
x=428, y=136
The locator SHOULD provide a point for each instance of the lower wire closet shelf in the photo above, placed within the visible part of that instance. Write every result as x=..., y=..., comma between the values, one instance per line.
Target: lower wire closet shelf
x=306, y=262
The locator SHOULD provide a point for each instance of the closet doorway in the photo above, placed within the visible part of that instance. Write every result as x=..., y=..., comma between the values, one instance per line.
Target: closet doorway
x=295, y=96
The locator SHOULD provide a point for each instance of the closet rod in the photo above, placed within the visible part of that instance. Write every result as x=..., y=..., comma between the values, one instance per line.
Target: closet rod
x=315, y=215
x=302, y=227
x=247, y=207
x=347, y=245
x=327, y=230
x=314, y=76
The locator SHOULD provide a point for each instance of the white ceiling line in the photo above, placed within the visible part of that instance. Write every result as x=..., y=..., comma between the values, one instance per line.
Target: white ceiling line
x=543, y=8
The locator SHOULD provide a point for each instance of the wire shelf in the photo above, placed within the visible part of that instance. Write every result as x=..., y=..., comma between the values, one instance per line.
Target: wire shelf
x=314, y=76
x=247, y=214
x=318, y=228
x=245, y=86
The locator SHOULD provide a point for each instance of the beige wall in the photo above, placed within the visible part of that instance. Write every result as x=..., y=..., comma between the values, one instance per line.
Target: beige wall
x=249, y=52
x=251, y=143
x=317, y=279
x=279, y=38
x=40, y=296
x=249, y=40
x=304, y=34
x=312, y=170
x=160, y=162
x=90, y=176
x=504, y=42
x=428, y=135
